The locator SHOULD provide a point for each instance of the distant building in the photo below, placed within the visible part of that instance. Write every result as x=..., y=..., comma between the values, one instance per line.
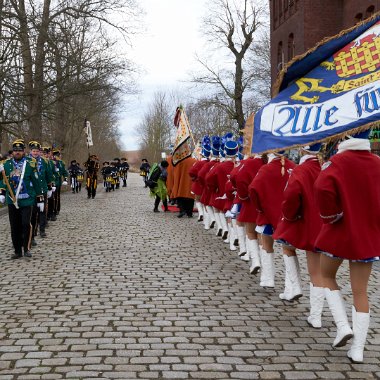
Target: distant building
x=297, y=25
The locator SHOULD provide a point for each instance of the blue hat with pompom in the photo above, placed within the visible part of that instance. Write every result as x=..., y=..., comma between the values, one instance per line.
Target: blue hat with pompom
x=215, y=145
x=231, y=148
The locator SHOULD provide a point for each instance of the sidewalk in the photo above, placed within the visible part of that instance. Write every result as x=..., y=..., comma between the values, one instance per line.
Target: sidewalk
x=119, y=292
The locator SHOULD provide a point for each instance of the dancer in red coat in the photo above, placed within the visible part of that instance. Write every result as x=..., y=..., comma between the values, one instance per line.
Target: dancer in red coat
x=196, y=187
x=298, y=228
x=216, y=180
x=348, y=199
x=266, y=192
x=206, y=197
x=247, y=217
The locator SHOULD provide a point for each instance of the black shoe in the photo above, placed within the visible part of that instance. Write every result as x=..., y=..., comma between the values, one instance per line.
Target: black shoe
x=28, y=254
x=212, y=224
x=43, y=234
x=93, y=197
x=181, y=214
x=200, y=219
x=156, y=210
x=220, y=232
x=33, y=243
x=53, y=218
x=16, y=256
x=88, y=196
x=225, y=235
x=236, y=242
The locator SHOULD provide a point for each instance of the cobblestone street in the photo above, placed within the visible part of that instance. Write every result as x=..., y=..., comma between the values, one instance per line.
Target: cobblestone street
x=119, y=292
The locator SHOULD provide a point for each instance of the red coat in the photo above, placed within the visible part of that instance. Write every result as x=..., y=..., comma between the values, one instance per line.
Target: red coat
x=196, y=187
x=233, y=175
x=350, y=184
x=246, y=173
x=206, y=193
x=230, y=194
x=216, y=181
x=300, y=223
x=267, y=191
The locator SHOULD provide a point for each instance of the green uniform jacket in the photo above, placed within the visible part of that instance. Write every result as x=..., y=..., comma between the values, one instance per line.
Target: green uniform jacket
x=45, y=175
x=59, y=172
x=31, y=182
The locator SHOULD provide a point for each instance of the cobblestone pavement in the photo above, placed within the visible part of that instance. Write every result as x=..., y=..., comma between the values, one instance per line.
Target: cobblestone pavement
x=119, y=292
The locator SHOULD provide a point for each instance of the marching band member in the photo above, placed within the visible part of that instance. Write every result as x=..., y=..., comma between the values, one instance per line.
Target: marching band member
x=216, y=181
x=247, y=217
x=45, y=176
x=196, y=187
x=20, y=188
x=348, y=200
x=298, y=229
x=209, y=217
x=266, y=192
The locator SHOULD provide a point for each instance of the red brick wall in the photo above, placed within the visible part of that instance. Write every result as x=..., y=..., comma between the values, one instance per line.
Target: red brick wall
x=354, y=7
x=310, y=21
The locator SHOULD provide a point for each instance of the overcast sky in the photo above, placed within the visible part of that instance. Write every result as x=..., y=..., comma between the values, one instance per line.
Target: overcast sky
x=165, y=52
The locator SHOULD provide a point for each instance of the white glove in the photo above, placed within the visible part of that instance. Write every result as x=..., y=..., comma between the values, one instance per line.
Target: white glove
x=64, y=183
x=53, y=189
x=2, y=199
x=1, y=167
x=229, y=214
x=49, y=193
x=41, y=206
x=235, y=208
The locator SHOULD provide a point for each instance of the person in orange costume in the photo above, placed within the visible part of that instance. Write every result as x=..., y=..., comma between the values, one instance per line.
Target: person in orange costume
x=181, y=190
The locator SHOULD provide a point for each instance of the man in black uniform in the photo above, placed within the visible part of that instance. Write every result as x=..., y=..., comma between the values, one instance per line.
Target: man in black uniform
x=92, y=167
x=124, y=167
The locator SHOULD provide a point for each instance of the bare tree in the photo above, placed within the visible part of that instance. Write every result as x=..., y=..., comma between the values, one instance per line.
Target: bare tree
x=231, y=26
x=155, y=131
x=35, y=23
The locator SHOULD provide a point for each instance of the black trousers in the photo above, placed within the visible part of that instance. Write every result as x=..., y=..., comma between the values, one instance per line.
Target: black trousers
x=21, y=228
x=186, y=205
x=92, y=184
x=39, y=218
x=57, y=200
x=50, y=206
x=157, y=202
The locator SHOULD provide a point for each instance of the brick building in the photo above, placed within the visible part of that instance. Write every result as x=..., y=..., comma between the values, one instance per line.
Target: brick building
x=297, y=25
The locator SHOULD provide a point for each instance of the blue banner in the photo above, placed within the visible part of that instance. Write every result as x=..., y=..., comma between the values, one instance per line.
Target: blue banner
x=329, y=91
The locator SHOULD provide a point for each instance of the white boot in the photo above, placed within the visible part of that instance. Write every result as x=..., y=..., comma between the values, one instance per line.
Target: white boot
x=267, y=269
x=206, y=220
x=219, y=230
x=253, y=251
x=234, y=229
x=232, y=237
x=317, y=299
x=211, y=215
x=288, y=285
x=200, y=211
x=223, y=222
x=360, y=324
x=338, y=311
x=242, y=240
x=294, y=277
x=227, y=239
